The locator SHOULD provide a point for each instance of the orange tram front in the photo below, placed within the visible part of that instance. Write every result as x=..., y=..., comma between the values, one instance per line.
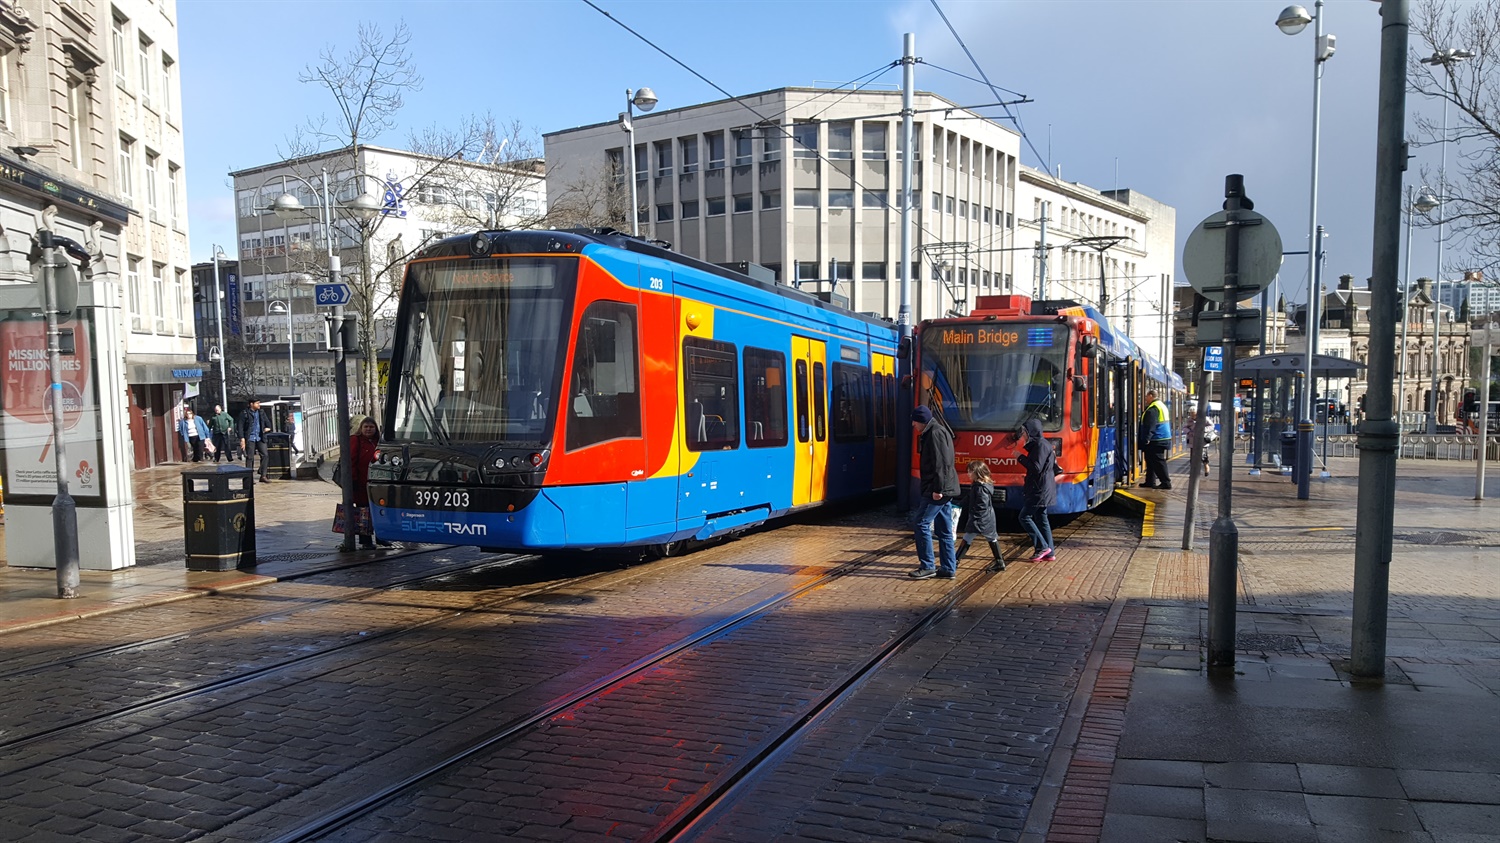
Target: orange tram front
x=1059, y=362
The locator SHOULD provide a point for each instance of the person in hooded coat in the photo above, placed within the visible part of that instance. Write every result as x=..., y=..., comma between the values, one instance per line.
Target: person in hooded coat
x=1040, y=490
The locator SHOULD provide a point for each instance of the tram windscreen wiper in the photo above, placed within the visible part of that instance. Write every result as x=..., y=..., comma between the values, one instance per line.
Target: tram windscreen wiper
x=430, y=417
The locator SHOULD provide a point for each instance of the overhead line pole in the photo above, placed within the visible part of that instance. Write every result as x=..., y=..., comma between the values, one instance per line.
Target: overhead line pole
x=905, y=352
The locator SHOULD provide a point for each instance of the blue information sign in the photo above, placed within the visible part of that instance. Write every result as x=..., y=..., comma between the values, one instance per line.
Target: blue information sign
x=1213, y=358
x=331, y=294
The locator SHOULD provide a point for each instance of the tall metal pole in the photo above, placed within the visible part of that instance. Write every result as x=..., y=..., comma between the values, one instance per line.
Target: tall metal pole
x=1437, y=279
x=1405, y=316
x=340, y=377
x=64, y=510
x=906, y=354
x=1041, y=254
x=1484, y=408
x=635, y=221
x=1378, y=433
x=219, y=318
x=1224, y=537
x=291, y=354
x=1314, y=282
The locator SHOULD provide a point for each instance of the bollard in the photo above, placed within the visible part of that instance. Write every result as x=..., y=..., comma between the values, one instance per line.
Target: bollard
x=218, y=514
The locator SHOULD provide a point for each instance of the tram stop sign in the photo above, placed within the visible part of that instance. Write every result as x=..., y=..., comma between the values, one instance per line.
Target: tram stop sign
x=1260, y=255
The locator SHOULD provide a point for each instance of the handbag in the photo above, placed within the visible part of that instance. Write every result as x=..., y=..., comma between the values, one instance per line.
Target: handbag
x=362, y=526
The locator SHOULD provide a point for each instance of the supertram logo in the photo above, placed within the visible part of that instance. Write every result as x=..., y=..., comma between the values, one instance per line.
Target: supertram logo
x=980, y=336
x=445, y=528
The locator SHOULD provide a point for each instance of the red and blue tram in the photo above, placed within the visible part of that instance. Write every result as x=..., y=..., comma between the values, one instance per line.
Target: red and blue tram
x=587, y=389
x=1060, y=362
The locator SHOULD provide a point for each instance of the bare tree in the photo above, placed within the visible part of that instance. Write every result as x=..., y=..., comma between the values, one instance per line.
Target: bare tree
x=499, y=188
x=1471, y=90
x=593, y=198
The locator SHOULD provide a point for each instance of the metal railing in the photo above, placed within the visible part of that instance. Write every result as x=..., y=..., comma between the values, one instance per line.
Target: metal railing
x=1419, y=446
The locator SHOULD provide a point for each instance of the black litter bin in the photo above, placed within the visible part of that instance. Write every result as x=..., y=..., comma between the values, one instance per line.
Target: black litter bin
x=279, y=455
x=1289, y=449
x=218, y=514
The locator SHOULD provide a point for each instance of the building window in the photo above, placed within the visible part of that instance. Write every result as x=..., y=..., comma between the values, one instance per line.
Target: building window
x=770, y=144
x=711, y=389
x=663, y=158
x=716, y=206
x=690, y=209
x=159, y=295
x=78, y=103
x=173, y=175
x=5, y=118
x=875, y=199
x=151, y=200
x=167, y=66
x=715, y=150
x=875, y=141
x=948, y=204
x=808, y=271
x=840, y=199
x=616, y=163
x=145, y=57
x=805, y=140
x=664, y=212
x=986, y=216
x=117, y=51
x=137, y=295
x=841, y=140
x=805, y=198
x=765, y=398
x=689, y=154
x=127, y=167
x=770, y=200
x=872, y=270
x=963, y=208
x=743, y=147
x=744, y=203
x=179, y=296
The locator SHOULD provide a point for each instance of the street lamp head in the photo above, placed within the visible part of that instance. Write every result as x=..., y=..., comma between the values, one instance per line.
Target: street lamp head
x=287, y=207
x=644, y=99
x=279, y=307
x=364, y=207
x=1452, y=55
x=1293, y=19
x=1426, y=201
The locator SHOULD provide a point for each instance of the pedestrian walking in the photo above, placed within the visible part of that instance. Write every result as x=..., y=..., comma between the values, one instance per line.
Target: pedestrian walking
x=979, y=514
x=193, y=432
x=938, y=489
x=363, y=448
x=1040, y=490
x=255, y=425
x=221, y=425
x=1155, y=438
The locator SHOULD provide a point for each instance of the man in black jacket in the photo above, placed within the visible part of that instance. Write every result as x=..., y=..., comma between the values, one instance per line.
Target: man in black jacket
x=254, y=425
x=939, y=488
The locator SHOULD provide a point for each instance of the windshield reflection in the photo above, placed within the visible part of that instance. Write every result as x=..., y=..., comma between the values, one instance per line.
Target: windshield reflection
x=989, y=377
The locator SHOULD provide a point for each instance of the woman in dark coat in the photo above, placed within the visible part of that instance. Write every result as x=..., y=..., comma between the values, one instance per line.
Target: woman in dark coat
x=363, y=448
x=1040, y=461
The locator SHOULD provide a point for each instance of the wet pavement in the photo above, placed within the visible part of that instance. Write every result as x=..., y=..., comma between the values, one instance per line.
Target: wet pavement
x=1141, y=743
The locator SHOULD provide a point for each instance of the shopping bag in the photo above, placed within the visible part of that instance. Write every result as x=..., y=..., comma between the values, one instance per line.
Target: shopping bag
x=208, y=446
x=362, y=526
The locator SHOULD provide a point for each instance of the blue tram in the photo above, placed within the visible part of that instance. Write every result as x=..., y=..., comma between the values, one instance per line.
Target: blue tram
x=585, y=389
x=1059, y=362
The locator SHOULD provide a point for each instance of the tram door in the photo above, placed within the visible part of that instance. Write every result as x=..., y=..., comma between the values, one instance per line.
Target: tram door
x=810, y=405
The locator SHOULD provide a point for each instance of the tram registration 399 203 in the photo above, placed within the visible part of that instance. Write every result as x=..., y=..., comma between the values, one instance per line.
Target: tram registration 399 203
x=440, y=498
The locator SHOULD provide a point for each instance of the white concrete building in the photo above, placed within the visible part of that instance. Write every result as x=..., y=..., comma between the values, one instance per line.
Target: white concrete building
x=803, y=181
x=421, y=199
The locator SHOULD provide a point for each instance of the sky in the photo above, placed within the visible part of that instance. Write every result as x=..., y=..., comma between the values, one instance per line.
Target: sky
x=1165, y=97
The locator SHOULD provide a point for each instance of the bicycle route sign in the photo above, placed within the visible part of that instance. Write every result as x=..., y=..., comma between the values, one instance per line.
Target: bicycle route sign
x=329, y=295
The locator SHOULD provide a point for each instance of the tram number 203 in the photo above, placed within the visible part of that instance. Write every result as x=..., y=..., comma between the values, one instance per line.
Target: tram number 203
x=442, y=498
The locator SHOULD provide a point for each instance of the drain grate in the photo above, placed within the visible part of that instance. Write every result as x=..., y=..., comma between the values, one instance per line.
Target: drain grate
x=1279, y=643
x=1435, y=537
x=291, y=557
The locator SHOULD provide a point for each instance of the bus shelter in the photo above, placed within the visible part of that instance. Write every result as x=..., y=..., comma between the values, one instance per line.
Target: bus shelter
x=1272, y=385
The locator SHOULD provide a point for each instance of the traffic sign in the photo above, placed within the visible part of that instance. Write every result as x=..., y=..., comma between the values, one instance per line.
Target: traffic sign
x=327, y=295
x=1260, y=255
x=1213, y=358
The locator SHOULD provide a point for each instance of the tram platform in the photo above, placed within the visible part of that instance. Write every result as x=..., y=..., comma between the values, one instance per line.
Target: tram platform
x=1290, y=748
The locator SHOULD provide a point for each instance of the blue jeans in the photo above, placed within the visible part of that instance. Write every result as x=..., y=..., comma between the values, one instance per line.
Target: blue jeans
x=941, y=513
x=1034, y=519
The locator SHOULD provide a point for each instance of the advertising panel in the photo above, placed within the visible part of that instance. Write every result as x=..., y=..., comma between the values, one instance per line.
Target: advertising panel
x=26, y=409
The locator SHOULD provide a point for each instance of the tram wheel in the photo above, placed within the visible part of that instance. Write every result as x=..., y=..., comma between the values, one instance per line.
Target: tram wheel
x=662, y=551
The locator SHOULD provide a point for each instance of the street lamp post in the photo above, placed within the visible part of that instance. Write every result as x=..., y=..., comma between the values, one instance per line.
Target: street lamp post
x=645, y=100
x=219, y=320
x=1294, y=19
x=1423, y=203
x=1446, y=59
x=291, y=354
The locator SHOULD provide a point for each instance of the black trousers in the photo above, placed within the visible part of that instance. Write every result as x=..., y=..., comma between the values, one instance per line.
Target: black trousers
x=251, y=450
x=223, y=452
x=196, y=446
x=1156, y=464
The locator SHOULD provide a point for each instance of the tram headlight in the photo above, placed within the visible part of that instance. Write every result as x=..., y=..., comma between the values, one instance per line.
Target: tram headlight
x=536, y=460
x=518, y=461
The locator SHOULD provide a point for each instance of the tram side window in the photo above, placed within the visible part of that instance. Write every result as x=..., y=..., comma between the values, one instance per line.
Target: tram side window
x=882, y=421
x=1076, y=385
x=765, y=398
x=803, y=431
x=851, y=403
x=712, y=389
x=820, y=403
x=604, y=396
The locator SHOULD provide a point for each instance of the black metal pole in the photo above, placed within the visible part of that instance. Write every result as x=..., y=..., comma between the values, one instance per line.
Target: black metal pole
x=1379, y=433
x=1224, y=537
x=64, y=510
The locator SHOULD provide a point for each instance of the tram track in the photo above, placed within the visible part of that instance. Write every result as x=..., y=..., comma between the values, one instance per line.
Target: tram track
x=685, y=819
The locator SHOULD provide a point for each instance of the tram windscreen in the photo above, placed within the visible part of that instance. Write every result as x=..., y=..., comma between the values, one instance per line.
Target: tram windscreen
x=995, y=376
x=481, y=350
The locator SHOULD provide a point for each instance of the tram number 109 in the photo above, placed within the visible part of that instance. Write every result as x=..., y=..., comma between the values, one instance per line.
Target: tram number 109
x=442, y=498
x=984, y=440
